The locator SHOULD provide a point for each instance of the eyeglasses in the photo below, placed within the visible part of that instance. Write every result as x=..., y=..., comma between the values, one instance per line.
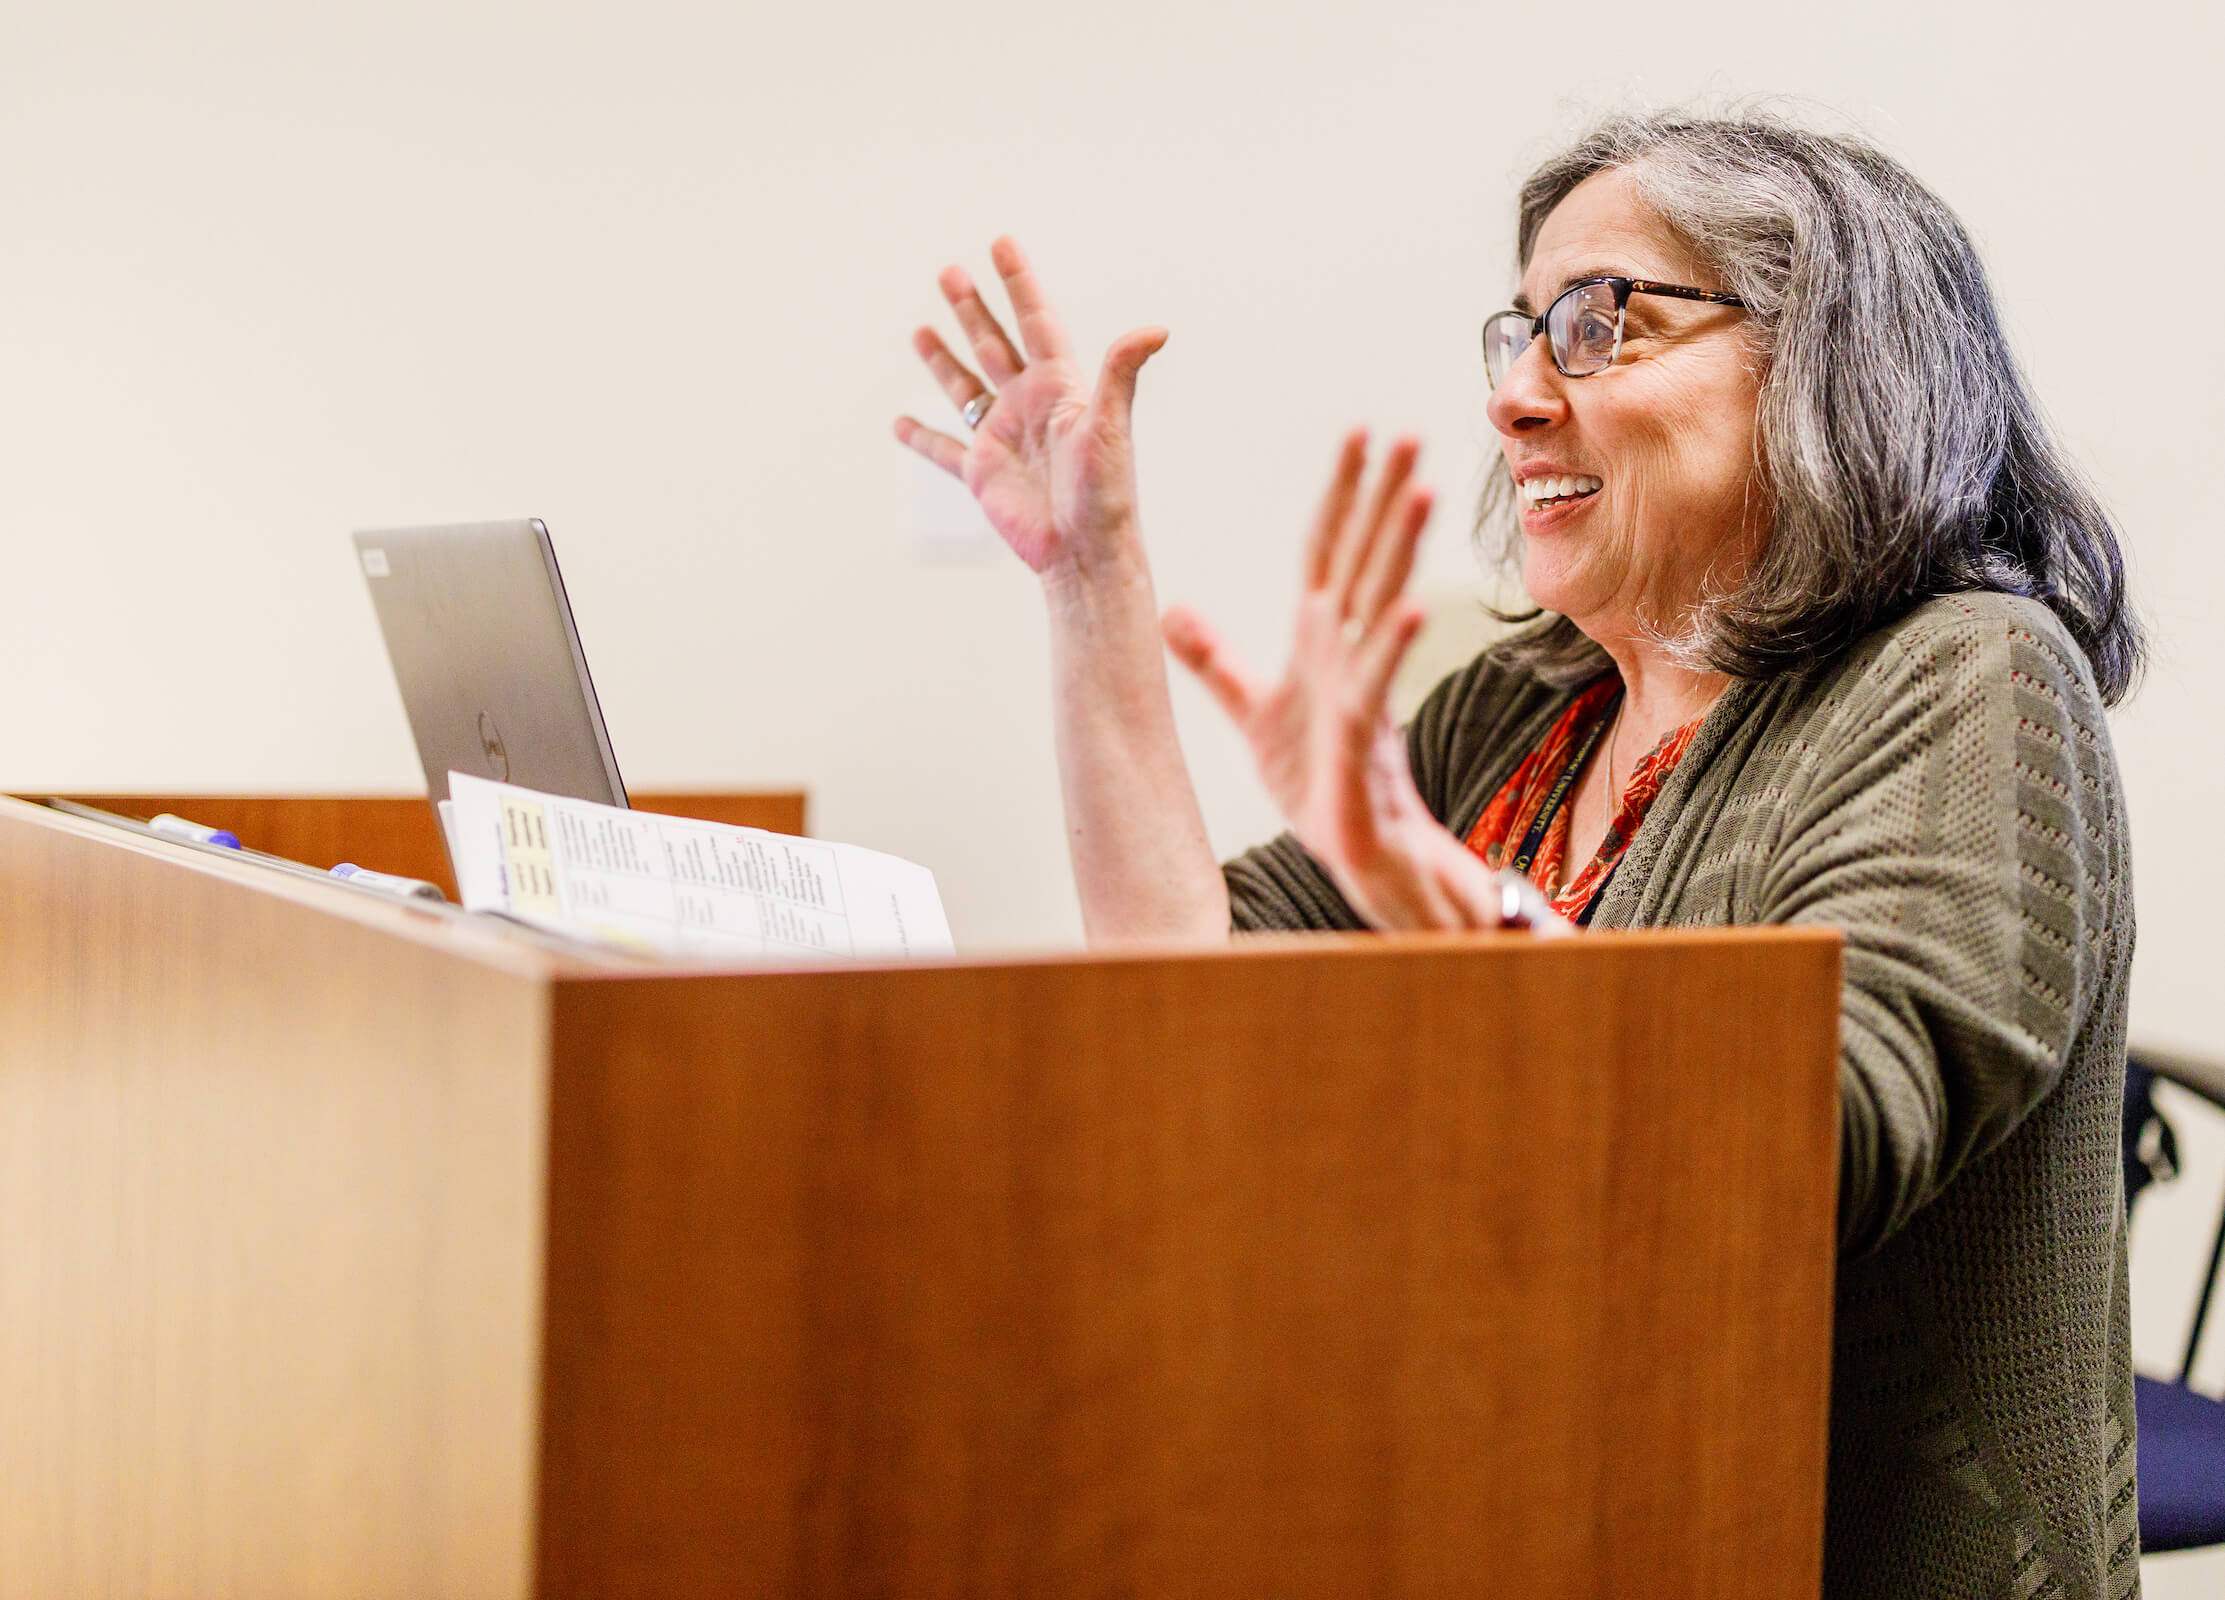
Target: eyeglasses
x=1584, y=324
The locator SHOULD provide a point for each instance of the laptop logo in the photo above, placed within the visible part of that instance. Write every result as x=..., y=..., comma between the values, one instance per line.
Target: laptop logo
x=490, y=745
x=374, y=564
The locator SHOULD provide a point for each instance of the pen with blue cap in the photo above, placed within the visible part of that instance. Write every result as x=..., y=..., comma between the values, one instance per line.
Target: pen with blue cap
x=387, y=882
x=197, y=832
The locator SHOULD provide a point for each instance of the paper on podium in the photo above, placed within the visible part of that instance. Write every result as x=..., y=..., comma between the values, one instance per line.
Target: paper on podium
x=682, y=887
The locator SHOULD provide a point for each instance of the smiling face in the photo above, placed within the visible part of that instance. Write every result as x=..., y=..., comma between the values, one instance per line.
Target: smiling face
x=1666, y=500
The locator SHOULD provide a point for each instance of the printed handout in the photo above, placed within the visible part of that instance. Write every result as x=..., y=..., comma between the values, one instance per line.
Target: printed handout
x=682, y=887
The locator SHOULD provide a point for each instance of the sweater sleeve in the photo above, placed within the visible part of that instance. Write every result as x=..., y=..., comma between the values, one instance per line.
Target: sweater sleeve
x=1963, y=829
x=1279, y=886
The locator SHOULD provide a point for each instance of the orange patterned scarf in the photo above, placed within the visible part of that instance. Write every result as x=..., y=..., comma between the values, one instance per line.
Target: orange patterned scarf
x=1507, y=821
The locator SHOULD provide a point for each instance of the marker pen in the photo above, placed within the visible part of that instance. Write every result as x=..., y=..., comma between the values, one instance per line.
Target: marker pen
x=388, y=883
x=199, y=833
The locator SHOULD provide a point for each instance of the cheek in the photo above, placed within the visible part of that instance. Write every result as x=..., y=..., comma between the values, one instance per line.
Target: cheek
x=1689, y=443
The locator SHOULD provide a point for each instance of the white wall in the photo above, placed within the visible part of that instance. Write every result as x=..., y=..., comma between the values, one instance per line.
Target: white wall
x=269, y=273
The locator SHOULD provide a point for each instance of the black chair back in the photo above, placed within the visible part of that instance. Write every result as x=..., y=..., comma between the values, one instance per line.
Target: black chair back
x=2151, y=1151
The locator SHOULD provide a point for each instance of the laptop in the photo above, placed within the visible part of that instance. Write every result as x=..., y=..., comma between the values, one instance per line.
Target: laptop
x=489, y=664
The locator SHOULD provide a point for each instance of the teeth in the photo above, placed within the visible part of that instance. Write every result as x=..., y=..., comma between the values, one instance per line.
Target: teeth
x=1560, y=488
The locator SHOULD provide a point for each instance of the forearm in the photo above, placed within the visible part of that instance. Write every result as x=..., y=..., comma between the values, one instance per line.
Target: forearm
x=1142, y=864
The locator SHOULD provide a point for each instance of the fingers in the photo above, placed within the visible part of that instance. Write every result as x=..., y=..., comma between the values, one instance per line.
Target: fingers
x=1391, y=562
x=990, y=346
x=955, y=379
x=1041, y=334
x=1336, y=508
x=1376, y=657
x=1359, y=538
x=940, y=448
x=1199, y=648
x=1116, y=384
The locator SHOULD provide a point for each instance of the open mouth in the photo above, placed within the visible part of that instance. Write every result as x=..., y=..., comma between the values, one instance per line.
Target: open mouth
x=1539, y=493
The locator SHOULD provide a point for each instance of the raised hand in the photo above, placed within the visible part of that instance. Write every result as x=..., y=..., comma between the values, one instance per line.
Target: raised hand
x=1051, y=461
x=1322, y=736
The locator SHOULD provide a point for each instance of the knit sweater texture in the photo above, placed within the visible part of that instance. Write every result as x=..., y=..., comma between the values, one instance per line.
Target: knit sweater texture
x=1946, y=795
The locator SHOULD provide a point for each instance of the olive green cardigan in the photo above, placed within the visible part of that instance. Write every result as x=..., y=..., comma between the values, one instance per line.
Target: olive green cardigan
x=1946, y=794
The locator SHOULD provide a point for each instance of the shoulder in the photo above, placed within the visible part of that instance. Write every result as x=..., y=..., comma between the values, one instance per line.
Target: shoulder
x=2010, y=630
x=1959, y=653
x=1970, y=727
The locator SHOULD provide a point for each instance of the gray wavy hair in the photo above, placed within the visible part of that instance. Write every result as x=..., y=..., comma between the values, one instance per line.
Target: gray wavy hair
x=1899, y=442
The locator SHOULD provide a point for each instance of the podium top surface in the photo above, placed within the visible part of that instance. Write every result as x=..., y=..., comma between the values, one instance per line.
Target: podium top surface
x=26, y=827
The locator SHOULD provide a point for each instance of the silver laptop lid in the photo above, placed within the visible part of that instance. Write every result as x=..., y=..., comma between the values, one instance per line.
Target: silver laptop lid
x=489, y=665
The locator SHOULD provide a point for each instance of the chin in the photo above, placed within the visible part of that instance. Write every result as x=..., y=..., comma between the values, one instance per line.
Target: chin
x=1550, y=585
x=1576, y=574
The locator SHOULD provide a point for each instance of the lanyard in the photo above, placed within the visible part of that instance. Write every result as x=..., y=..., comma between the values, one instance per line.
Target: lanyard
x=1583, y=917
x=1534, y=840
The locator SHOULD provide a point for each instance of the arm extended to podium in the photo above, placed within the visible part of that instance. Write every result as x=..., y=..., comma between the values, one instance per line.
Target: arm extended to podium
x=354, y=1248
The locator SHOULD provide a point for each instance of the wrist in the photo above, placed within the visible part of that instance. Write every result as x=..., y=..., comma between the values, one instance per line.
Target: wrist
x=1110, y=562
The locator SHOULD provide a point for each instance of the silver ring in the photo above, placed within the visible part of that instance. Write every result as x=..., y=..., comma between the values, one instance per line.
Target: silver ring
x=977, y=408
x=1521, y=905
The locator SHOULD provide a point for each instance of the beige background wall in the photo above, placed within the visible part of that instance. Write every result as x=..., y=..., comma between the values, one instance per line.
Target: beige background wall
x=269, y=273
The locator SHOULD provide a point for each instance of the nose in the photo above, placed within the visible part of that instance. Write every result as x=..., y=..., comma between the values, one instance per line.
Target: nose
x=1533, y=395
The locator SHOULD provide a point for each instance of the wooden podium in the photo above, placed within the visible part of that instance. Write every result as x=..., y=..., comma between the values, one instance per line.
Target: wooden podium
x=352, y=1249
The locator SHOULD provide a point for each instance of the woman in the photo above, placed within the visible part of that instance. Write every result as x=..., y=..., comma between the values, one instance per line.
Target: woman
x=1829, y=630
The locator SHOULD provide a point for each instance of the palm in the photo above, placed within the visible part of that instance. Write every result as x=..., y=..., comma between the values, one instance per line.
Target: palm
x=1051, y=463
x=1045, y=466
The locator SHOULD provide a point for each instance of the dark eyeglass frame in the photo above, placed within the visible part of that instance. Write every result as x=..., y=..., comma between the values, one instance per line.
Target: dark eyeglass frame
x=1624, y=288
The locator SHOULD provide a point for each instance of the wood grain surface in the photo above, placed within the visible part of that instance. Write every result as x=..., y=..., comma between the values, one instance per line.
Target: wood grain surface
x=354, y=1249
x=271, y=1202
x=1341, y=1267
x=399, y=833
